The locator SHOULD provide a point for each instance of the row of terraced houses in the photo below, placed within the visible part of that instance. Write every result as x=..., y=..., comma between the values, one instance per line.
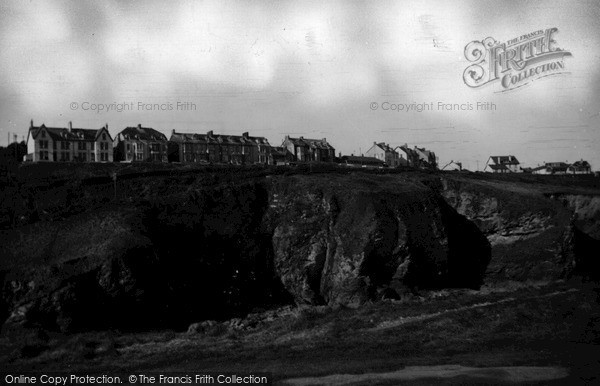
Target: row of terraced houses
x=137, y=143
x=145, y=144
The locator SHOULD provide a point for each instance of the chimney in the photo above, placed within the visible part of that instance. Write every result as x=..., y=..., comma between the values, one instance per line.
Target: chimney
x=324, y=139
x=70, y=126
x=139, y=126
x=374, y=143
x=106, y=126
x=31, y=124
x=210, y=133
x=173, y=132
x=287, y=137
x=245, y=135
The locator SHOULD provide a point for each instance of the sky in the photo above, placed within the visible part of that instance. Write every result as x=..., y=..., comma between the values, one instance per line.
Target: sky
x=318, y=69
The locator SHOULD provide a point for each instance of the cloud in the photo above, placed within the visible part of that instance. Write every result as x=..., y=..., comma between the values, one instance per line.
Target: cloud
x=288, y=66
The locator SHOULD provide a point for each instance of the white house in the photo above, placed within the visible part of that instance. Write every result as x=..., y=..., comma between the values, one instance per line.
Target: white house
x=502, y=164
x=58, y=144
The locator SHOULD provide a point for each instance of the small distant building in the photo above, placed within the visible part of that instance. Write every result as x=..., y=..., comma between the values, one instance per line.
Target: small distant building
x=361, y=161
x=384, y=152
x=502, y=164
x=280, y=155
x=453, y=165
x=68, y=144
x=580, y=167
x=218, y=148
x=306, y=149
x=420, y=157
x=140, y=144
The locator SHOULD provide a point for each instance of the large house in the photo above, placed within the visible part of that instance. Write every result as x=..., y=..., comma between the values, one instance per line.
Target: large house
x=218, y=148
x=67, y=144
x=502, y=164
x=140, y=144
x=419, y=157
x=306, y=149
x=385, y=153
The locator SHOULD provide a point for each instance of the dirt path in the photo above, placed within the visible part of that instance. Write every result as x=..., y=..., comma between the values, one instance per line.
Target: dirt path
x=516, y=374
x=409, y=319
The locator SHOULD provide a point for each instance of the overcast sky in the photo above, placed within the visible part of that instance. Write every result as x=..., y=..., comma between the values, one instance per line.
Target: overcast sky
x=303, y=68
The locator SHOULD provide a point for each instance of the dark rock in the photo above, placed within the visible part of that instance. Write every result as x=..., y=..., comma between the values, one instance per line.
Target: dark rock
x=216, y=253
x=201, y=327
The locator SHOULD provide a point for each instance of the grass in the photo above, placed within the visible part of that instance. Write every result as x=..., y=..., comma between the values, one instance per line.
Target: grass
x=548, y=325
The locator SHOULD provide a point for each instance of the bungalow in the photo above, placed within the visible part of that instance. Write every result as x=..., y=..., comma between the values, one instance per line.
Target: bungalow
x=551, y=168
x=502, y=164
x=306, y=149
x=580, y=167
x=140, y=144
x=210, y=147
x=361, y=161
x=385, y=153
x=52, y=144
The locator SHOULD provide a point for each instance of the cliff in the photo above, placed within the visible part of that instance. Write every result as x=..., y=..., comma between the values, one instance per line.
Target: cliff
x=174, y=249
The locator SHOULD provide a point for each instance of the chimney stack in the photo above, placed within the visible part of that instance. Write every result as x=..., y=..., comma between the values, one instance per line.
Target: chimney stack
x=245, y=135
x=210, y=133
x=31, y=124
x=106, y=126
x=70, y=125
x=139, y=126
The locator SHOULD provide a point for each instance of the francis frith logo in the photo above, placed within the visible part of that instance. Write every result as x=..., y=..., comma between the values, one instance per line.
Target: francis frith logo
x=516, y=62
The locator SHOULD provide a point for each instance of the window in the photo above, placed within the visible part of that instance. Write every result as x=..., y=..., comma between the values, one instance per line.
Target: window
x=65, y=145
x=93, y=157
x=81, y=145
x=43, y=155
x=92, y=145
x=43, y=144
x=103, y=156
x=82, y=157
x=104, y=136
x=43, y=134
x=128, y=147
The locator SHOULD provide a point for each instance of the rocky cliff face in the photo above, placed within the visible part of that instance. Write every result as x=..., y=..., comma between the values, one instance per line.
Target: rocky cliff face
x=535, y=235
x=340, y=244
x=202, y=250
